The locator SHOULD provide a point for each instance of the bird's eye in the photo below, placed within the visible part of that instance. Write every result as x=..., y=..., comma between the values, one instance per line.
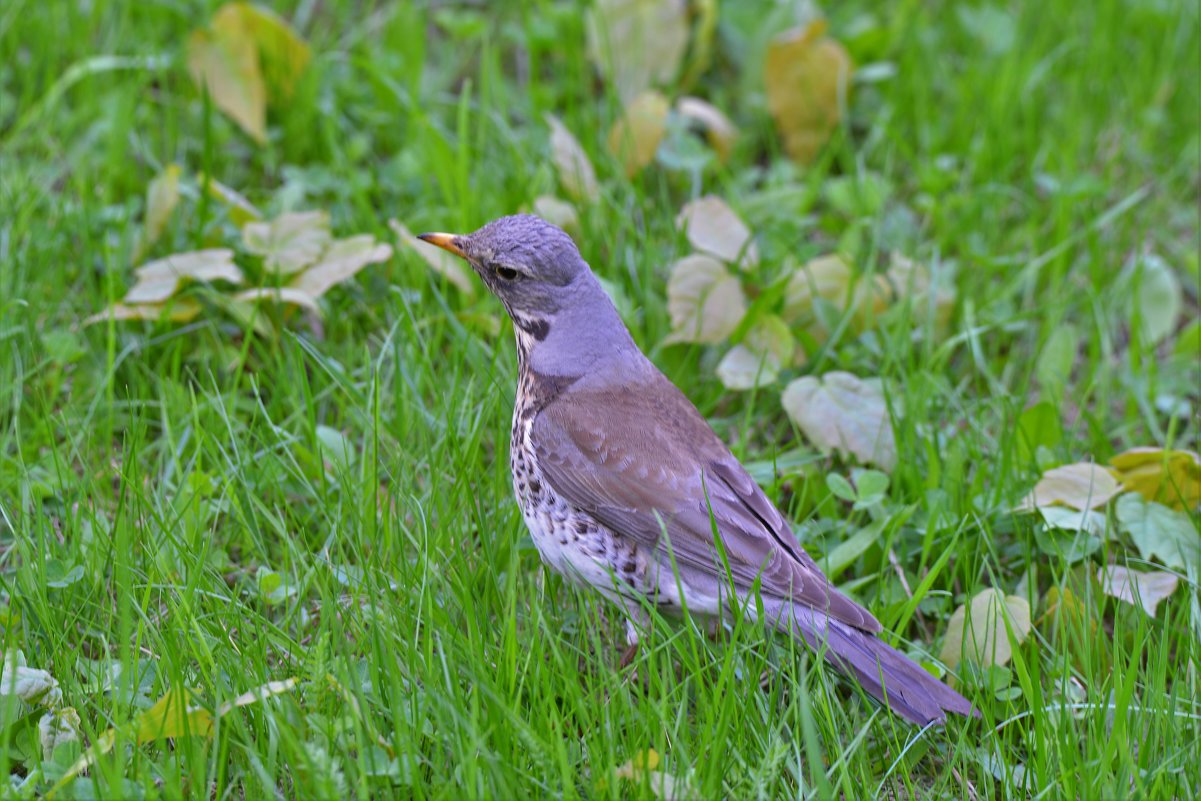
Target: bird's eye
x=506, y=273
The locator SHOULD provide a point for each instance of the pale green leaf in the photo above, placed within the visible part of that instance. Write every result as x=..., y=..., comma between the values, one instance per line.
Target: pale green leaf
x=572, y=163
x=841, y=412
x=1138, y=589
x=159, y=280
x=1078, y=486
x=341, y=260
x=290, y=242
x=637, y=44
x=981, y=631
x=1159, y=533
x=714, y=228
x=705, y=301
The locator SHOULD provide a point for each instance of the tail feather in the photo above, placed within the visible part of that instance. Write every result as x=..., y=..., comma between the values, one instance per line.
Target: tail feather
x=883, y=671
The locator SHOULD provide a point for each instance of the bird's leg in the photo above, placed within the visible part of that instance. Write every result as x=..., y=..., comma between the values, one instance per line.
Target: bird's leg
x=636, y=620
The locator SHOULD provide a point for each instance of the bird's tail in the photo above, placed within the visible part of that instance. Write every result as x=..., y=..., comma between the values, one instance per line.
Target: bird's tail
x=888, y=675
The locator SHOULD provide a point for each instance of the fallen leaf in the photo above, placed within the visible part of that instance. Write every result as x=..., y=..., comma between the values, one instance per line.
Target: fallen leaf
x=721, y=133
x=712, y=227
x=31, y=685
x=341, y=260
x=637, y=44
x=283, y=55
x=1061, y=517
x=174, y=715
x=981, y=634
x=635, y=137
x=160, y=279
x=290, y=242
x=440, y=261
x=1159, y=533
x=284, y=294
x=557, y=212
x=844, y=413
x=1138, y=589
x=757, y=360
x=704, y=300
x=1172, y=478
x=826, y=277
x=571, y=162
x=807, y=78
x=1079, y=486
x=162, y=196
x=241, y=210
x=179, y=310
x=260, y=693
x=57, y=727
x=1157, y=298
x=225, y=64
x=1056, y=359
x=644, y=767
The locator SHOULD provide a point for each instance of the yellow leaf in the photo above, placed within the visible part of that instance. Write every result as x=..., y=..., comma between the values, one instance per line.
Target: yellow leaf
x=1079, y=486
x=160, y=279
x=982, y=634
x=718, y=129
x=241, y=210
x=174, y=716
x=444, y=264
x=637, y=44
x=713, y=227
x=341, y=260
x=807, y=78
x=1172, y=478
x=635, y=138
x=282, y=54
x=290, y=242
x=705, y=302
x=575, y=170
x=226, y=65
x=162, y=196
x=177, y=311
x=639, y=763
x=844, y=413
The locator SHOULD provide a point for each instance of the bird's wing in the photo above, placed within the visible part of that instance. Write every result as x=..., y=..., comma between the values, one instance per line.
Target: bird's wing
x=648, y=463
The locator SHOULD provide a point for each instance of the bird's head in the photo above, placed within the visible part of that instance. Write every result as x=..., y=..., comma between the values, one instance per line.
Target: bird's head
x=531, y=265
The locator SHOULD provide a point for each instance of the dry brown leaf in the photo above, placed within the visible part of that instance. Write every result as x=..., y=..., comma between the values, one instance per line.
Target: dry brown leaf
x=705, y=301
x=290, y=242
x=160, y=279
x=637, y=44
x=571, y=162
x=1137, y=589
x=635, y=137
x=1080, y=486
x=341, y=260
x=843, y=413
x=1172, y=478
x=718, y=129
x=807, y=78
x=713, y=227
x=441, y=262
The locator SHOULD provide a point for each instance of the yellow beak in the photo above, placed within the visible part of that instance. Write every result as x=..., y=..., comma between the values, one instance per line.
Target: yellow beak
x=445, y=241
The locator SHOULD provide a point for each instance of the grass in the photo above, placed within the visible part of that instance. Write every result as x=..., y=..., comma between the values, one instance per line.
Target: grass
x=171, y=467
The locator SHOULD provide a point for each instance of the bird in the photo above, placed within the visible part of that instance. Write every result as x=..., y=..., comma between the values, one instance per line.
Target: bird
x=626, y=489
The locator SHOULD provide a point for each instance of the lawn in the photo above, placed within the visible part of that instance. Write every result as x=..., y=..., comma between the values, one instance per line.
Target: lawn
x=267, y=547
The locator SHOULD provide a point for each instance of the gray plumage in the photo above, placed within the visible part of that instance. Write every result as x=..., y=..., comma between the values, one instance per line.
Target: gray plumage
x=618, y=475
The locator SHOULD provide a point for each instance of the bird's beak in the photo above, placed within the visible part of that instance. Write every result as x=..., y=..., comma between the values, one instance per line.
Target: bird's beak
x=448, y=242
